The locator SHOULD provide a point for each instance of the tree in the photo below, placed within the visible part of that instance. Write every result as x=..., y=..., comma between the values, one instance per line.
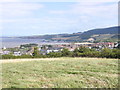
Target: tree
x=36, y=52
x=54, y=54
x=115, y=53
x=106, y=53
x=76, y=52
x=83, y=49
x=65, y=52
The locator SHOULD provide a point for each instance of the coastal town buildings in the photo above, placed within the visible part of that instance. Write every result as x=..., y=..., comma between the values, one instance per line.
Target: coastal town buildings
x=46, y=49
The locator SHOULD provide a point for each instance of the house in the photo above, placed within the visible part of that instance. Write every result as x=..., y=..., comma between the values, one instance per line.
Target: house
x=17, y=53
x=30, y=51
x=5, y=52
x=104, y=45
x=84, y=44
x=4, y=48
x=116, y=44
x=1, y=52
x=47, y=50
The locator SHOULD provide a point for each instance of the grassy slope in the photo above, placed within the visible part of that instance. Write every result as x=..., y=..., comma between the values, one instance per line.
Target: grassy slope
x=62, y=73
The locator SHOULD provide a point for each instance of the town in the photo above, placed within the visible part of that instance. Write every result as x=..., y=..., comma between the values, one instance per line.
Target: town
x=28, y=49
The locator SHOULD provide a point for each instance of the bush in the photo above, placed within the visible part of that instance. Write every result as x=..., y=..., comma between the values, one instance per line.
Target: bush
x=25, y=56
x=54, y=54
x=78, y=52
x=8, y=57
x=65, y=53
x=107, y=53
x=116, y=53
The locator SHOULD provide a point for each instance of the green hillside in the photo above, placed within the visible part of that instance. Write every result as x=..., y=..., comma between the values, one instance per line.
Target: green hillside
x=102, y=34
x=60, y=73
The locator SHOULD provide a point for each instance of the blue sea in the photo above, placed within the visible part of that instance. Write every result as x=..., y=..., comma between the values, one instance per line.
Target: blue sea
x=13, y=42
x=16, y=42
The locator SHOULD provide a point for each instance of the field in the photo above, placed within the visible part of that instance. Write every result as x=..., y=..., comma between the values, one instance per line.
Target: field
x=60, y=73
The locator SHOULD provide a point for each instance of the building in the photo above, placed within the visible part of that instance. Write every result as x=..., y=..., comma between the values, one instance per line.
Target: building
x=17, y=53
x=5, y=52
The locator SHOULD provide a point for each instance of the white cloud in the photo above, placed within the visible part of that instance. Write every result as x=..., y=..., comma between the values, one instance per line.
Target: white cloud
x=19, y=9
x=91, y=10
x=57, y=12
x=7, y=20
x=92, y=14
x=95, y=12
x=83, y=13
x=59, y=0
x=96, y=9
x=39, y=20
x=1, y=1
x=97, y=1
x=1, y=27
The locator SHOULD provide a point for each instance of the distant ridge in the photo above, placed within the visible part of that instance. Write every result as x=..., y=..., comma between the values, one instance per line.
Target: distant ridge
x=95, y=34
x=110, y=30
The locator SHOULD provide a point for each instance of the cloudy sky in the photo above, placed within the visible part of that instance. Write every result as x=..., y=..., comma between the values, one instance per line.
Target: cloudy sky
x=28, y=17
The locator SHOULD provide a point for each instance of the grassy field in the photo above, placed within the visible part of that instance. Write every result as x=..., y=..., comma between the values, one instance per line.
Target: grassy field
x=61, y=73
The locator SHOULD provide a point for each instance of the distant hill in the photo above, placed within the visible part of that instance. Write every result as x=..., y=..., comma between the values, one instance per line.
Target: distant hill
x=111, y=30
x=110, y=33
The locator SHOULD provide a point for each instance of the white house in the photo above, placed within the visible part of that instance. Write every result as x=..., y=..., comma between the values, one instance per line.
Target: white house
x=17, y=53
x=6, y=52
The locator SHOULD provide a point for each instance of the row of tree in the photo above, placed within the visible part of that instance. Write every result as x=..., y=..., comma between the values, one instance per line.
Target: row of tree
x=86, y=52
x=78, y=52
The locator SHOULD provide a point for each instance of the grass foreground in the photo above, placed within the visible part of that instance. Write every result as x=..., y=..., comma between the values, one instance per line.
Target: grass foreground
x=61, y=73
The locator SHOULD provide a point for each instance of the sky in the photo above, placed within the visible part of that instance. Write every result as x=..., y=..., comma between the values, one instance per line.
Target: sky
x=38, y=17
